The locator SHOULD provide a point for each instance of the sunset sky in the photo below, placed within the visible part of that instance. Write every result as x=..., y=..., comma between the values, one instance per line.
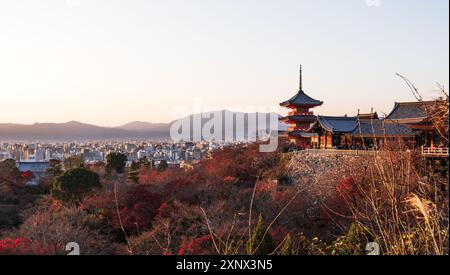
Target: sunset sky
x=112, y=62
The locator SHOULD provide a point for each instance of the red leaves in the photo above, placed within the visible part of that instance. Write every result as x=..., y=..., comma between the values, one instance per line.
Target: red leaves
x=8, y=246
x=198, y=246
x=27, y=175
x=137, y=207
x=269, y=187
x=139, y=215
x=234, y=161
x=147, y=176
x=337, y=206
x=279, y=234
x=23, y=246
x=347, y=188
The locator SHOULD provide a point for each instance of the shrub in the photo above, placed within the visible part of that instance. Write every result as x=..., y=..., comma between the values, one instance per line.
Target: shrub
x=23, y=246
x=57, y=227
x=198, y=246
x=176, y=224
x=74, y=185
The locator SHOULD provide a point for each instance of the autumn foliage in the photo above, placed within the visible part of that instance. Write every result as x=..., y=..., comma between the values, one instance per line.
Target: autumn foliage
x=23, y=246
x=240, y=201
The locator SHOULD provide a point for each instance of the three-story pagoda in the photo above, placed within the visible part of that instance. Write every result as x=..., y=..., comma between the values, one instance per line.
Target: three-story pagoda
x=300, y=117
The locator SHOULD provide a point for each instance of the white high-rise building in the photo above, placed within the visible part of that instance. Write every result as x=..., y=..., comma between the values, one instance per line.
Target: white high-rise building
x=39, y=154
x=142, y=154
x=48, y=154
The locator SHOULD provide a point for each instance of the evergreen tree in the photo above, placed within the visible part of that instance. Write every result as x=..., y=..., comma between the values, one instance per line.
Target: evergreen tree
x=8, y=169
x=73, y=185
x=54, y=168
x=116, y=162
x=144, y=161
x=258, y=243
x=163, y=165
x=73, y=162
x=133, y=173
x=286, y=248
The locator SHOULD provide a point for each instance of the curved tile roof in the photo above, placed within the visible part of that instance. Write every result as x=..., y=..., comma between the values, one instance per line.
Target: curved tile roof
x=377, y=127
x=301, y=98
x=299, y=133
x=410, y=110
x=300, y=118
x=362, y=127
x=338, y=124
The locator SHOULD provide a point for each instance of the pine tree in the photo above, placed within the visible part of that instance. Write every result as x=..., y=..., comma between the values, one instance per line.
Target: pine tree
x=116, y=162
x=133, y=173
x=286, y=248
x=258, y=243
x=74, y=185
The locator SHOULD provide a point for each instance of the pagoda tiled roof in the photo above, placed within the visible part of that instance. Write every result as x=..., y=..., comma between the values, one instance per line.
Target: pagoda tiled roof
x=302, y=99
x=300, y=118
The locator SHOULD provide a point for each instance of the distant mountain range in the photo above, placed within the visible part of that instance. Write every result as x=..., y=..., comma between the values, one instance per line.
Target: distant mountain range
x=77, y=131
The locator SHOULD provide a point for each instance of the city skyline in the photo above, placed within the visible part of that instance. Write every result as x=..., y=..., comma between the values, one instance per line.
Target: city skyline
x=108, y=63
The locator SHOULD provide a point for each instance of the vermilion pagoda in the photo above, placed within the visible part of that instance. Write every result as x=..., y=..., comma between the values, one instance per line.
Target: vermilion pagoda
x=300, y=117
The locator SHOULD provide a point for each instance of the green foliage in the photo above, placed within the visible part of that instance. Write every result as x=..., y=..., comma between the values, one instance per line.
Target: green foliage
x=55, y=168
x=8, y=164
x=135, y=165
x=73, y=162
x=312, y=247
x=144, y=161
x=260, y=243
x=116, y=162
x=354, y=243
x=73, y=185
x=8, y=169
x=163, y=165
x=133, y=173
x=286, y=248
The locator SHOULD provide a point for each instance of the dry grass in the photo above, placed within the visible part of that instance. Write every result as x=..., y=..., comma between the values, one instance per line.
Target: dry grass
x=403, y=207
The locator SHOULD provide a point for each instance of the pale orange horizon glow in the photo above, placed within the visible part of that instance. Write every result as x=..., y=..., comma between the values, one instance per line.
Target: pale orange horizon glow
x=112, y=62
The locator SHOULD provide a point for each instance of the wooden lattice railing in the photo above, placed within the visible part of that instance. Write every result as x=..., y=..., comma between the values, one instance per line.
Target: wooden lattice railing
x=435, y=151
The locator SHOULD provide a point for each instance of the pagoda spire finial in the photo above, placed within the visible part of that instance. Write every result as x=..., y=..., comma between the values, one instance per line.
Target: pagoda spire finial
x=301, y=80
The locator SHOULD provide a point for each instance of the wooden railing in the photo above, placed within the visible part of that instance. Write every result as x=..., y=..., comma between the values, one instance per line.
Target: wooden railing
x=435, y=152
x=340, y=152
x=300, y=113
x=425, y=151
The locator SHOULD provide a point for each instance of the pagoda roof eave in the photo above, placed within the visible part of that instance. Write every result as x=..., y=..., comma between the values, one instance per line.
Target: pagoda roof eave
x=290, y=105
x=299, y=118
x=301, y=99
x=302, y=134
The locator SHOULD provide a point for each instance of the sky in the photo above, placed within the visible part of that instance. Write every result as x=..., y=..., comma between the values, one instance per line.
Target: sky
x=111, y=62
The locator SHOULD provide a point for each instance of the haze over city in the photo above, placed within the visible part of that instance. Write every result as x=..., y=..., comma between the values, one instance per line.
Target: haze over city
x=243, y=129
x=112, y=62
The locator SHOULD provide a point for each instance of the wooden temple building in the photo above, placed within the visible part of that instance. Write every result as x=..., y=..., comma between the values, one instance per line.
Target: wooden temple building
x=355, y=133
x=414, y=115
x=408, y=121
